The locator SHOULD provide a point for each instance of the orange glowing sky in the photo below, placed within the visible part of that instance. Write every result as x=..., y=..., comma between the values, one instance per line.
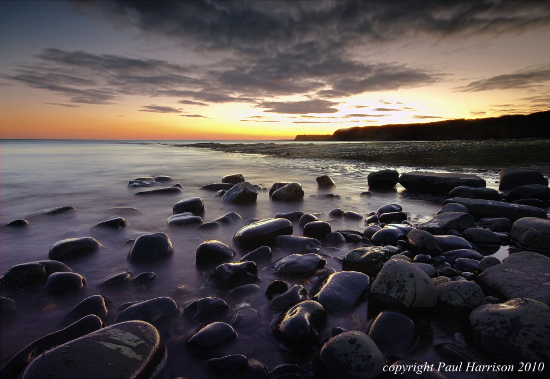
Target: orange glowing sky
x=264, y=70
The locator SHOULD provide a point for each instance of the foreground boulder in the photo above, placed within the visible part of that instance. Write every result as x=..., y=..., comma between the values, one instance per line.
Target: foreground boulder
x=73, y=248
x=262, y=232
x=531, y=233
x=475, y=193
x=393, y=332
x=480, y=208
x=368, y=260
x=212, y=253
x=234, y=179
x=154, y=311
x=93, y=305
x=438, y=183
x=512, y=178
x=32, y=274
x=150, y=248
x=460, y=298
x=383, y=179
x=194, y=205
x=443, y=222
x=515, y=331
x=242, y=193
x=342, y=290
x=289, y=192
x=523, y=274
x=125, y=350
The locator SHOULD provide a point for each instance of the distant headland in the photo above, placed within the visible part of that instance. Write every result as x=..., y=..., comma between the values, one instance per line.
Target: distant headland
x=534, y=125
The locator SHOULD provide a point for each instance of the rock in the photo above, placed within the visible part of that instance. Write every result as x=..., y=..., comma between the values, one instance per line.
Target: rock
x=443, y=222
x=452, y=255
x=245, y=290
x=114, y=223
x=512, y=178
x=487, y=208
x=453, y=207
x=531, y=233
x=342, y=290
x=161, y=191
x=150, y=248
x=388, y=236
x=438, y=183
x=230, y=363
x=73, y=248
x=458, y=299
x=78, y=329
x=368, y=260
x=66, y=210
x=155, y=311
x=246, y=319
x=7, y=307
x=231, y=275
x=529, y=191
x=382, y=179
x=370, y=230
x=298, y=328
x=515, y=331
x=393, y=332
x=229, y=218
x=297, y=244
x=124, y=211
x=116, y=280
x=141, y=182
x=163, y=178
x=467, y=265
x=496, y=224
x=64, y=282
x=291, y=216
x=298, y=265
x=183, y=219
x=262, y=232
x=351, y=355
x=475, y=193
x=93, y=305
x=479, y=236
x=194, y=205
x=421, y=241
x=32, y=274
x=450, y=242
x=259, y=255
x=234, y=179
x=17, y=224
x=213, y=335
x=325, y=181
x=523, y=274
x=335, y=238
x=213, y=253
x=427, y=268
x=205, y=309
x=276, y=186
x=242, y=193
x=336, y=213
x=389, y=208
x=287, y=299
x=392, y=217
x=487, y=262
x=531, y=202
x=276, y=288
x=401, y=284
x=217, y=186
x=289, y=192
x=307, y=218
x=129, y=350
x=350, y=215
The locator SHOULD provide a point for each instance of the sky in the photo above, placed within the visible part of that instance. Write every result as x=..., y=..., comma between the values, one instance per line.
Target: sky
x=221, y=70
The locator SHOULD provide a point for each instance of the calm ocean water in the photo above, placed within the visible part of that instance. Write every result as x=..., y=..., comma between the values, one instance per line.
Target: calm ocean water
x=92, y=176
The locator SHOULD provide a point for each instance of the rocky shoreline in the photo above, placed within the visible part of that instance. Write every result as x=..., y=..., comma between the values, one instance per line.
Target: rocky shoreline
x=406, y=280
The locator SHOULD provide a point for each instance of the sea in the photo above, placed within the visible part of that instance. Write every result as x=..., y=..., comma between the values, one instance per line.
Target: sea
x=93, y=176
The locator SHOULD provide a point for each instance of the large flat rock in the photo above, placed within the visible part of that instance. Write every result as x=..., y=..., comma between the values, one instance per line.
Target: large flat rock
x=126, y=350
x=480, y=208
x=438, y=183
x=523, y=274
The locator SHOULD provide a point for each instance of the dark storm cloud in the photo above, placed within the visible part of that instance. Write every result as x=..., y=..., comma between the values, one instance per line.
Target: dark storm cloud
x=529, y=78
x=159, y=109
x=299, y=107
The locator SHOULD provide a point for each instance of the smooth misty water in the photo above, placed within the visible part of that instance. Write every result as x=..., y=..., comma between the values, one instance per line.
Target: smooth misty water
x=93, y=176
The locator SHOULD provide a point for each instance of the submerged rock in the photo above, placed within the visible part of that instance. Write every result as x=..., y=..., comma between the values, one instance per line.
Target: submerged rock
x=438, y=183
x=150, y=248
x=287, y=299
x=114, y=223
x=203, y=309
x=213, y=335
x=52, y=212
x=116, y=280
x=64, y=282
x=421, y=241
x=161, y=191
x=529, y=191
x=262, y=232
x=217, y=186
x=154, y=311
x=475, y=193
x=260, y=255
x=317, y=229
x=342, y=290
x=73, y=248
x=233, y=179
x=488, y=208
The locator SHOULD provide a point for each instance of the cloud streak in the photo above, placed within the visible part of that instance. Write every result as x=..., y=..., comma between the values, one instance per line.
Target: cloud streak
x=523, y=79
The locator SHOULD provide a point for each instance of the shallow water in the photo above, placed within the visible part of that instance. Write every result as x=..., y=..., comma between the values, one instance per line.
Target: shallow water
x=92, y=176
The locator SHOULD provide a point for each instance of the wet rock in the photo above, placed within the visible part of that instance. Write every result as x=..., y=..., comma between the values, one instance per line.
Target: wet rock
x=479, y=236
x=512, y=178
x=32, y=274
x=401, y=284
x=247, y=319
x=427, y=268
x=453, y=207
x=450, y=242
x=388, y=236
x=531, y=202
x=467, y=265
x=298, y=265
x=475, y=193
x=496, y=224
x=155, y=311
x=421, y=241
x=217, y=186
x=458, y=299
x=531, y=233
x=212, y=253
x=93, y=305
x=229, y=218
x=245, y=290
x=144, y=278
x=162, y=178
x=209, y=226
x=515, y=331
x=7, y=306
x=234, y=179
x=73, y=248
x=150, y=248
x=205, y=309
x=392, y=217
x=183, y=219
x=389, y=208
x=276, y=186
x=352, y=215
x=262, y=232
x=141, y=182
x=194, y=205
x=161, y=191
x=64, y=282
x=488, y=208
x=134, y=346
x=231, y=275
x=213, y=335
x=382, y=179
x=287, y=299
x=393, y=332
x=523, y=274
x=342, y=290
x=325, y=181
x=443, y=222
x=289, y=192
x=487, y=262
x=115, y=223
x=297, y=244
x=529, y=191
x=291, y=216
x=452, y=255
x=242, y=193
x=116, y=280
x=66, y=210
x=307, y=218
x=259, y=255
x=17, y=224
x=370, y=230
x=351, y=355
x=350, y=236
x=372, y=219
x=336, y=213
x=230, y=363
x=298, y=328
x=368, y=260
x=335, y=238
x=276, y=288
x=124, y=211
x=438, y=183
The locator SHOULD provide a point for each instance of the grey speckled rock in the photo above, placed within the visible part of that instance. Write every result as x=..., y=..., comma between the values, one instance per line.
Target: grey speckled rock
x=342, y=290
x=401, y=284
x=126, y=350
x=532, y=233
x=515, y=331
x=460, y=298
x=480, y=208
x=351, y=355
x=523, y=274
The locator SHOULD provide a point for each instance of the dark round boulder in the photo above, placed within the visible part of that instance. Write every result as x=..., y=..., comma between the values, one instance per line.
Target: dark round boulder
x=342, y=290
x=317, y=229
x=336, y=213
x=388, y=236
x=93, y=305
x=452, y=255
x=287, y=299
x=480, y=236
x=450, y=242
x=382, y=179
x=368, y=260
x=64, y=282
x=144, y=278
x=260, y=255
x=234, y=179
x=392, y=217
x=298, y=265
x=150, y=248
x=73, y=248
x=213, y=253
x=291, y=216
x=307, y=218
x=389, y=208
x=194, y=205
x=393, y=332
x=496, y=224
x=205, y=309
x=289, y=192
x=324, y=181
x=231, y=275
x=475, y=193
x=298, y=244
x=242, y=193
x=32, y=274
x=116, y=280
x=114, y=223
x=213, y=335
x=262, y=232
x=229, y=218
x=155, y=311
x=421, y=241
x=183, y=219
